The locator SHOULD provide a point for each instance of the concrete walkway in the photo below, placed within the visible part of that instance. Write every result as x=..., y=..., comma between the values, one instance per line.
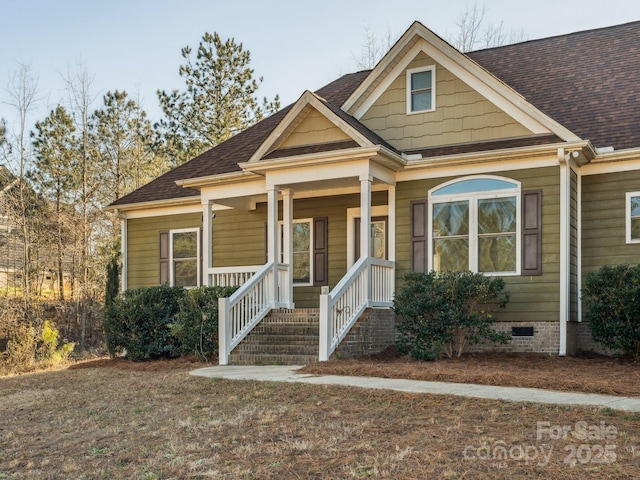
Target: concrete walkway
x=288, y=373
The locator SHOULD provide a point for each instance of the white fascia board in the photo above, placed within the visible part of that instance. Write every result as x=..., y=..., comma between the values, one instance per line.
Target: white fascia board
x=476, y=168
x=319, y=172
x=153, y=204
x=618, y=161
x=164, y=211
x=223, y=178
x=234, y=190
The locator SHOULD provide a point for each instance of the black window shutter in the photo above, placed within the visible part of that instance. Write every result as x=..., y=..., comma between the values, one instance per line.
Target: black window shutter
x=532, y=232
x=164, y=257
x=320, y=252
x=419, y=233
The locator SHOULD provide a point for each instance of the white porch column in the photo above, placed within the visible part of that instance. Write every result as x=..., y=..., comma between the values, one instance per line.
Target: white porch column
x=207, y=242
x=287, y=245
x=391, y=202
x=272, y=237
x=365, y=215
x=365, y=229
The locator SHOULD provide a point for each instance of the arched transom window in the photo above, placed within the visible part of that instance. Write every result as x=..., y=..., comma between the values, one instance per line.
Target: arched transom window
x=475, y=225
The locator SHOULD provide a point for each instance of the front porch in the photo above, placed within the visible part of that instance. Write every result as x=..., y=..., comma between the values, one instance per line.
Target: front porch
x=366, y=282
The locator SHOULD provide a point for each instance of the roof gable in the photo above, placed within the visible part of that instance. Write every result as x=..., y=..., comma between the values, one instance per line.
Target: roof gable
x=420, y=40
x=310, y=121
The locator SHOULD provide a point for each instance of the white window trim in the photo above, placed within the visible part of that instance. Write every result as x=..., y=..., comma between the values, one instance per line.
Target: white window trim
x=473, y=219
x=198, y=253
x=628, y=216
x=411, y=71
x=280, y=250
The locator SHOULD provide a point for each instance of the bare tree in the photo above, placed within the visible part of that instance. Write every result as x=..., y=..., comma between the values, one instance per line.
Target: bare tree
x=22, y=90
x=373, y=49
x=472, y=32
x=80, y=100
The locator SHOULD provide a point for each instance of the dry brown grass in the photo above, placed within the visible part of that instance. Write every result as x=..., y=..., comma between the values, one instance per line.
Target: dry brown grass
x=117, y=420
x=595, y=374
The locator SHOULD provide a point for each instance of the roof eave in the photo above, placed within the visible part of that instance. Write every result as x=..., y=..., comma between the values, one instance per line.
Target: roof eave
x=169, y=202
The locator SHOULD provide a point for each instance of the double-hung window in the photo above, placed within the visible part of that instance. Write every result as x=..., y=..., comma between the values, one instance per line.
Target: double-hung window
x=475, y=225
x=633, y=217
x=421, y=89
x=184, y=262
x=302, y=231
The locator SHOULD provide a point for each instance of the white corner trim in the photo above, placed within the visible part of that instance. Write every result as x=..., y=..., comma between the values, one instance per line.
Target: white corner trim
x=565, y=249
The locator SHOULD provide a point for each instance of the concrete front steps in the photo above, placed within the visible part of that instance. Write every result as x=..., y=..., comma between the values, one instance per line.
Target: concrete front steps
x=284, y=337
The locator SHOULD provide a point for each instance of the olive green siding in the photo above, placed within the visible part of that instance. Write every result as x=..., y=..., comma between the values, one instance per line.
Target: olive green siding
x=239, y=237
x=603, y=220
x=143, y=245
x=461, y=114
x=533, y=298
x=573, y=249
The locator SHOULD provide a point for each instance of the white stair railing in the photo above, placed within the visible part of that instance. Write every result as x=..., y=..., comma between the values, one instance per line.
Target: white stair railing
x=369, y=283
x=242, y=311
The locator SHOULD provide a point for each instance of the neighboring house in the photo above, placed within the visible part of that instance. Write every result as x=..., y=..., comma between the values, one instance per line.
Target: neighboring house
x=521, y=161
x=42, y=256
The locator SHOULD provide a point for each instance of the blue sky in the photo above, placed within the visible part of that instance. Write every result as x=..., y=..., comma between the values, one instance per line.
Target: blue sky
x=135, y=45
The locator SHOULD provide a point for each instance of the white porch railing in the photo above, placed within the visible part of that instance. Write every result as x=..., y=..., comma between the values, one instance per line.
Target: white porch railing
x=242, y=311
x=230, y=276
x=369, y=283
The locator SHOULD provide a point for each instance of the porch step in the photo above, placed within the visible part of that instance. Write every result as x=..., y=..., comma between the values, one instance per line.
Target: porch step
x=284, y=337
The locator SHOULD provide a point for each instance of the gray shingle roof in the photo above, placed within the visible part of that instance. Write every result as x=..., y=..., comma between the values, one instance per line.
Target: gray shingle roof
x=587, y=81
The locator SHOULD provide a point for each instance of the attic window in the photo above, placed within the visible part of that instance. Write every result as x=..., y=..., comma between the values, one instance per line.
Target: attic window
x=421, y=91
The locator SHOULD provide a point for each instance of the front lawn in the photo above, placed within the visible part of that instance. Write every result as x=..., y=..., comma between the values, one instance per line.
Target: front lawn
x=116, y=420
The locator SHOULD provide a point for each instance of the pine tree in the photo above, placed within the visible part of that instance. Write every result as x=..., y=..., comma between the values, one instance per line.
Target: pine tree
x=55, y=159
x=219, y=100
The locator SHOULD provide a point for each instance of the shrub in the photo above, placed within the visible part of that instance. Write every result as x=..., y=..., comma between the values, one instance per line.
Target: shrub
x=445, y=312
x=612, y=298
x=49, y=352
x=196, y=323
x=138, y=322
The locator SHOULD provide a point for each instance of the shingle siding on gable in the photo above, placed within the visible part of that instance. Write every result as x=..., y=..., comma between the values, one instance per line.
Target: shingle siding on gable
x=313, y=129
x=461, y=116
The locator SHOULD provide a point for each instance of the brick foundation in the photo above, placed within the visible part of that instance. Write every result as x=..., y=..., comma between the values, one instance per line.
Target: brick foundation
x=545, y=339
x=374, y=331
x=580, y=340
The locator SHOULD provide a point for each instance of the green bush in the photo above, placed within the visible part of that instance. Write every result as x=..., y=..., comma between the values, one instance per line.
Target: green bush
x=137, y=321
x=196, y=323
x=152, y=322
x=612, y=298
x=442, y=313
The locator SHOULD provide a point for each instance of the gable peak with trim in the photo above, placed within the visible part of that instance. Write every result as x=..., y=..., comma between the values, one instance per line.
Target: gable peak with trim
x=468, y=104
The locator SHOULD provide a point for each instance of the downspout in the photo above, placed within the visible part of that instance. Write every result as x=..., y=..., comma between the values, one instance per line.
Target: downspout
x=565, y=246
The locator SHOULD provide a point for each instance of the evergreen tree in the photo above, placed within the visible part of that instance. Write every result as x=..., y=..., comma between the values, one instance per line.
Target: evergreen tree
x=53, y=173
x=219, y=100
x=123, y=136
